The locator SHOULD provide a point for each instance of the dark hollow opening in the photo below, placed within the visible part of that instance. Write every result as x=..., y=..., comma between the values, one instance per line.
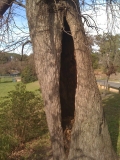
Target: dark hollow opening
x=68, y=82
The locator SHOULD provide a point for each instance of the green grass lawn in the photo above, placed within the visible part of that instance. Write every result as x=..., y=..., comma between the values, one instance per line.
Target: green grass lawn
x=111, y=103
x=7, y=87
x=34, y=86
x=6, y=79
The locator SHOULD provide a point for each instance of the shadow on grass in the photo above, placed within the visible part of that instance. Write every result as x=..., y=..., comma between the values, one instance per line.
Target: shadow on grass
x=36, y=149
x=111, y=103
x=6, y=81
x=41, y=153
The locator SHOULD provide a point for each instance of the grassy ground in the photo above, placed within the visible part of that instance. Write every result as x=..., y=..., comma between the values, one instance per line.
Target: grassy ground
x=34, y=86
x=6, y=79
x=37, y=149
x=7, y=87
x=111, y=103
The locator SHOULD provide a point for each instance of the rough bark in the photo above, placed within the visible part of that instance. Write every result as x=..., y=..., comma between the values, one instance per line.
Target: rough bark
x=71, y=104
x=46, y=39
x=4, y=5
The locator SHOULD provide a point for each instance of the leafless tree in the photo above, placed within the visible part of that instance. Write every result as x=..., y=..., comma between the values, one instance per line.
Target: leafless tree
x=13, y=35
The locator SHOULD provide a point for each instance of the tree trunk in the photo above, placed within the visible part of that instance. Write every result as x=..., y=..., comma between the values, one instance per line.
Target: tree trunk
x=72, y=100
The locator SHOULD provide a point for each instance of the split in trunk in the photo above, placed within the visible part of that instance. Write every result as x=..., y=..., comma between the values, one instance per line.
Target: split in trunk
x=68, y=82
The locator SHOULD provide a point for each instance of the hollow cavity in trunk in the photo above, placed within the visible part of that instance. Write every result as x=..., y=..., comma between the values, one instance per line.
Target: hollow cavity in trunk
x=68, y=82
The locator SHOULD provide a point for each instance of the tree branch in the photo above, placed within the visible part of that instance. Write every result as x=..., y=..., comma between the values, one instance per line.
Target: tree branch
x=20, y=4
x=28, y=41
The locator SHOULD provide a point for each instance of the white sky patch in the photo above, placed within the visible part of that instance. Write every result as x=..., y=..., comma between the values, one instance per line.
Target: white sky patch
x=95, y=48
x=105, y=21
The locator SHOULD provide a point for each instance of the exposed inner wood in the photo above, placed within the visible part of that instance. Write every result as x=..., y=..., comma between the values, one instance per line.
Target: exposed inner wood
x=68, y=82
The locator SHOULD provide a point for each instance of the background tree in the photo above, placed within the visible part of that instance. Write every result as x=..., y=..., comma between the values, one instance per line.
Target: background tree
x=12, y=62
x=24, y=64
x=109, y=50
x=28, y=73
x=95, y=60
x=109, y=47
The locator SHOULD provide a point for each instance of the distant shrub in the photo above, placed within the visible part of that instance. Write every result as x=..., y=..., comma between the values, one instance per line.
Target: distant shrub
x=22, y=118
x=95, y=60
x=28, y=74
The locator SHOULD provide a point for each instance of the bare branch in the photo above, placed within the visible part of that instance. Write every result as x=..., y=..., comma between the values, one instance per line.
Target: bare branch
x=28, y=41
x=20, y=4
x=87, y=21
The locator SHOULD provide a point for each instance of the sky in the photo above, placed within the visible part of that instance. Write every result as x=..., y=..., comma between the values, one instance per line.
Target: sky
x=105, y=21
x=18, y=28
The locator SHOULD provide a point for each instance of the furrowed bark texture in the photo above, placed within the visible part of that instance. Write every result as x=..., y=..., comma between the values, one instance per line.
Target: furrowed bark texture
x=90, y=139
x=45, y=30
